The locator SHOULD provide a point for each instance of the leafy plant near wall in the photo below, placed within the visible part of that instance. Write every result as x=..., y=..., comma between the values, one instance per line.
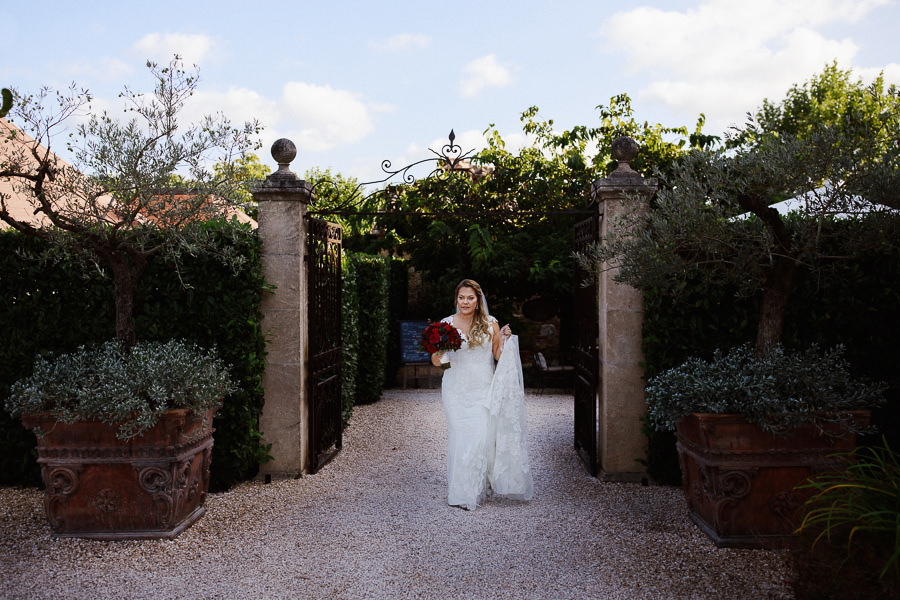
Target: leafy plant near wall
x=851, y=529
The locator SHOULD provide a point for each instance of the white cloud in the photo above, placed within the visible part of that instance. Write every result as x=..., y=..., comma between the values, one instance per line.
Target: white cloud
x=482, y=73
x=104, y=69
x=321, y=117
x=238, y=104
x=724, y=57
x=316, y=118
x=402, y=41
x=192, y=48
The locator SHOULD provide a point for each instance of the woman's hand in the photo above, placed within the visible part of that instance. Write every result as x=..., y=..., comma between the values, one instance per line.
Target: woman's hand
x=436, y=358
x=506, y=332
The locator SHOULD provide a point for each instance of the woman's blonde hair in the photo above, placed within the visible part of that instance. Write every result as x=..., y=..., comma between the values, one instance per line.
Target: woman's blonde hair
x=481, y=325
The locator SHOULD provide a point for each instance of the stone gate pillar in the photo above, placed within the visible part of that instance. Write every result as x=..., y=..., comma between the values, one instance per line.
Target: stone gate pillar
x=621, y=390
x=284, y=423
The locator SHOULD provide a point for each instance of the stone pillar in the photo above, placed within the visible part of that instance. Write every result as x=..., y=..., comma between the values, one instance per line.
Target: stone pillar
x=284, y=422
x=621, y=394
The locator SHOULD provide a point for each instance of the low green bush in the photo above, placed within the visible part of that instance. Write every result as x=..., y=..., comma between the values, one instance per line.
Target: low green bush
x=778, y=390
x=129, y=388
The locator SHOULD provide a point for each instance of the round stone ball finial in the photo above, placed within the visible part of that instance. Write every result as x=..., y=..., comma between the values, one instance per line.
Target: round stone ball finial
x=284, y=151
x=624, y=150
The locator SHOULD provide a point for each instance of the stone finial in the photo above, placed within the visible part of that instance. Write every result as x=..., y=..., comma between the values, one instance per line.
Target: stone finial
x=624, y=150
x=284, y=151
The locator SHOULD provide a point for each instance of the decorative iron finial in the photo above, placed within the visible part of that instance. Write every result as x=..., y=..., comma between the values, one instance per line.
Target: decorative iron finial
x=452, y=137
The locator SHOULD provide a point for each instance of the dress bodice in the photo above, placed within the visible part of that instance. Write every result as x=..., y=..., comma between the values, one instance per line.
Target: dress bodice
x=471, y=368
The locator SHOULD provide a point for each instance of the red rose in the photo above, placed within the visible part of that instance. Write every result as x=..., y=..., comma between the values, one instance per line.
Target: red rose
x=435, y=337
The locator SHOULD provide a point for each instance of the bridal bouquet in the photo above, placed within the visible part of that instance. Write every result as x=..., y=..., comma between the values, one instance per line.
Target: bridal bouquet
x=441, y=337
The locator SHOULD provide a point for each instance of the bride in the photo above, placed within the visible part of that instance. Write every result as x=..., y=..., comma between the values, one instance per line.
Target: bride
x=485, y=409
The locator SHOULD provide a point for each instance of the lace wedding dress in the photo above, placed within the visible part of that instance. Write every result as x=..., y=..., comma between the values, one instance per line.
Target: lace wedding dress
x=485, y=411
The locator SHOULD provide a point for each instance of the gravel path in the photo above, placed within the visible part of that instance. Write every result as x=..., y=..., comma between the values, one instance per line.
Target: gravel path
x=375, y=524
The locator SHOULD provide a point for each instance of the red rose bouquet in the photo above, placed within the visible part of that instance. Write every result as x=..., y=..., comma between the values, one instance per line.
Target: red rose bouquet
x=441, y=337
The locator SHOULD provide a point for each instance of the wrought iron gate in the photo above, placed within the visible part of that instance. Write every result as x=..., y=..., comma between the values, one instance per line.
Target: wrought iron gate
x=324, y=319
x=586, y=353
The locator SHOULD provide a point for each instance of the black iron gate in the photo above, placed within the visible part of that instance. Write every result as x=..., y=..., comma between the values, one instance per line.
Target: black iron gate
x=324, y=322
x=586, y=353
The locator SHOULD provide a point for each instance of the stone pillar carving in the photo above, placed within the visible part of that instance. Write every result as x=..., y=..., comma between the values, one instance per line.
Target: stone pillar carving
x=621, y=394
x=283, y=200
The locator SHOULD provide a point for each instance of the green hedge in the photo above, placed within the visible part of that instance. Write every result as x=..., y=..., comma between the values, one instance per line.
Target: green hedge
x=51, y=305
x=398, y=305
x=349, y=336
x=372, y=290
x=853, y=302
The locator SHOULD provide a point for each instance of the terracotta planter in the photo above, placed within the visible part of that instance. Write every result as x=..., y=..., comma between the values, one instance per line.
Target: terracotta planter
x=98, y=486
x=739, y=480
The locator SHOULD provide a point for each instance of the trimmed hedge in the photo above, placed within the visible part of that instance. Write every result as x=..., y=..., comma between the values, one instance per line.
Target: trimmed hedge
x=855, y=303
x=398, y=305
x=50, y=305
x=349, y=336
x=371, y=273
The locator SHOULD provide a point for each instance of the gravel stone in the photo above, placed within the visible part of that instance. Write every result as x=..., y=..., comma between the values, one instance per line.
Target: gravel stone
x=374, y=523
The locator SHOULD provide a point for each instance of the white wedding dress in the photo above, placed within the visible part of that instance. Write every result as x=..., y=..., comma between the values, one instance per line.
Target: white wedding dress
x=485, y=410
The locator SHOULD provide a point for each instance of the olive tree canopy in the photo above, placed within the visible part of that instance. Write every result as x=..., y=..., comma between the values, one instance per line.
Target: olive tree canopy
x=135, y=188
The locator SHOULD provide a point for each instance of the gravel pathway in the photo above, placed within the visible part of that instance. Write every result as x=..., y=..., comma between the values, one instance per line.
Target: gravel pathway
x=375, y=524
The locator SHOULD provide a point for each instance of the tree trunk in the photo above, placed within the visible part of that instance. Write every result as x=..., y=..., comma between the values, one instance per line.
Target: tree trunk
x=779, y=278
x=776, y=291
x=126, y=270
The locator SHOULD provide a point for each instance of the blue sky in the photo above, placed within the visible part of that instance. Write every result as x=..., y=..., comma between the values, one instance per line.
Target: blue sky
x=353, y=83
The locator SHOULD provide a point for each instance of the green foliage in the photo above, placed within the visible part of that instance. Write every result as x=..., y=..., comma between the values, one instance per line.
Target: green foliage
x=335, y=192
x=48, y=304
x=129, y=388
x=372, y=291
x=349, y=336
x=249, y=170
x=7, y=102
x=778, y=390
x=713, y=220
x=850, y=531
x=855, y=303
x=123, y=200
x=500, y=219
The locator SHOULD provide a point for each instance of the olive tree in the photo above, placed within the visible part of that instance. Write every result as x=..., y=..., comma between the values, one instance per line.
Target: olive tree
x=717, y=218
x=136, y=187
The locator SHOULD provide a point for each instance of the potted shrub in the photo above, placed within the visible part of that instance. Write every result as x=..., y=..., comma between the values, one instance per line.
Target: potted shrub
x=830, y=149
x=136, y=189
x=124, y=437
x=751, y=427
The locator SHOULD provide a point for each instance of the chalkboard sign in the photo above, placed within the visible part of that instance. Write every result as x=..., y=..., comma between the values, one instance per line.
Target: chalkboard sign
x=410, y=336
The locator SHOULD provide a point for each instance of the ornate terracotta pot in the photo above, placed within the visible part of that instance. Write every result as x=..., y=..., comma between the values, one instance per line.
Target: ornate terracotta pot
x=739, y=480
x=98, y=486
